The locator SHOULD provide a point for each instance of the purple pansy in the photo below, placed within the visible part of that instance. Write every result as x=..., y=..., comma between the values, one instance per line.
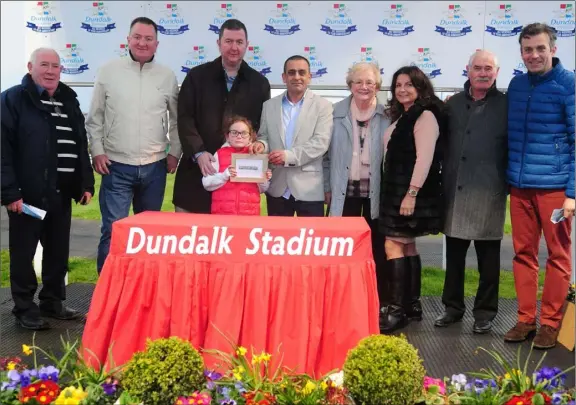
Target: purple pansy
x=49, y=373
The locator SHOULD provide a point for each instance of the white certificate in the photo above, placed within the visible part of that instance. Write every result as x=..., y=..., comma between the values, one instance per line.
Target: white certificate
x=249, y=168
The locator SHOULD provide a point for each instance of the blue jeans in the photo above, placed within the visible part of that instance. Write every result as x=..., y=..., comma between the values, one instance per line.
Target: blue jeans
x=142, y=186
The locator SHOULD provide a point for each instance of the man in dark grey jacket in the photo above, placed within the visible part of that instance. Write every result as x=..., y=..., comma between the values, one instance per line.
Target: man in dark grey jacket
x=475, y=189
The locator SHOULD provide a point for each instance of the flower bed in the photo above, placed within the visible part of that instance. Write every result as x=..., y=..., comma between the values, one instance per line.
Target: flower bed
x=380, y=370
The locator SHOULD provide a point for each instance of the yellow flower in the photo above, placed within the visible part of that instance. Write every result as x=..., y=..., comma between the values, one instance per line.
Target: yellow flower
x=71, y=396
x=237, y=372
x=310, y=386
x=26, y=350
x=11, y=366
x=323, y=385
x=241, y=351
x=256, y=359
x=515, y=372
x=265, y=356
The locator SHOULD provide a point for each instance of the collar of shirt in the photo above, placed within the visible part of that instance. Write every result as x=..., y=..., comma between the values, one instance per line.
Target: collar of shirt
x=40, y=89
x=285, y=99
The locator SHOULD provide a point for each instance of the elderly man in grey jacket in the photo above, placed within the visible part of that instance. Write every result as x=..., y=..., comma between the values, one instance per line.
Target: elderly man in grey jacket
x=475, y=189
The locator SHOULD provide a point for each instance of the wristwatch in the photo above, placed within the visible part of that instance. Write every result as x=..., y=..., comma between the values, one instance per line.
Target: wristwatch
x=412, y=192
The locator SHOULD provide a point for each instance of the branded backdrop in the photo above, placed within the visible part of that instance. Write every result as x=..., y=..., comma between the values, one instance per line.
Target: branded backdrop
x=436, y=36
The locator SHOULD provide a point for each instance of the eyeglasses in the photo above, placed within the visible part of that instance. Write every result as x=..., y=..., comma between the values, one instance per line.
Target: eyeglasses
x=238, y=134
x=368, y=83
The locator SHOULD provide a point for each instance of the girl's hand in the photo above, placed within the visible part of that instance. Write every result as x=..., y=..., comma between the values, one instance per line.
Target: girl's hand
x=232, y=171
x=268, y=174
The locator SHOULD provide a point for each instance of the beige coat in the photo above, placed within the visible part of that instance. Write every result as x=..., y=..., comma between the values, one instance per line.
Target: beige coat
x=302, y=172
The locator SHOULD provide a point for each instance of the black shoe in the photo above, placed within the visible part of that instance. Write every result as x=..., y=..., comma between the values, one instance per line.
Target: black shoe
x=393, y=316
x=446, y=319
x=32, y=322
x=482, y=327
x=65, y=314
x=414, y=286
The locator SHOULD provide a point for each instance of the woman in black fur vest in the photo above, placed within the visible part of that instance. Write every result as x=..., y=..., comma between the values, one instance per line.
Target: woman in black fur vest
x=411, y=189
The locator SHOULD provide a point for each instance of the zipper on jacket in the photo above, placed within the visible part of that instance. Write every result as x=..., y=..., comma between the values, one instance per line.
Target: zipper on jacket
x=525, y=136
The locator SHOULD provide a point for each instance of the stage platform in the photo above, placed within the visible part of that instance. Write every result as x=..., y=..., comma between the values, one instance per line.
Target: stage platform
x=445, y=351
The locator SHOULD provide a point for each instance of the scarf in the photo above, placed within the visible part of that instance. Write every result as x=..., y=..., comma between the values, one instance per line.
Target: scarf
x=360, y=166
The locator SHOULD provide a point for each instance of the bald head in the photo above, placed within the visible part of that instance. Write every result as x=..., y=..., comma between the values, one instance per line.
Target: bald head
x=44, y=67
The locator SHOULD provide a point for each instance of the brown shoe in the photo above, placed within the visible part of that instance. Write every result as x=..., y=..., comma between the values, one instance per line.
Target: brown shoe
x=546, y=337
x=520, y=332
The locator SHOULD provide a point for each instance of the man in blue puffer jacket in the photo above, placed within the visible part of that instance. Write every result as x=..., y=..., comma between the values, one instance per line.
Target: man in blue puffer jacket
x=541, y=176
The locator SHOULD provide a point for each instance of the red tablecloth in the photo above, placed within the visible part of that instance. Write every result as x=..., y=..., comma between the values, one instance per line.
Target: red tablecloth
x=167, y=275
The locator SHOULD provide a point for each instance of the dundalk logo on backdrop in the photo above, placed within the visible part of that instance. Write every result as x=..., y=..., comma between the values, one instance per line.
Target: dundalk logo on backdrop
x=255, y=59
x=519, y=69
x=43, y=19
x=396, y=24
x=72, y=62
x=338, y=23
x=317, y=68
x=225, y=12
x=195, y=58
x=97, y=21
x=425, y=62
x=455, y=24
x=282, y=22
x=505, y=24
x=367, y=56
x=123, y=50
x=172, y=22
x=563, y=22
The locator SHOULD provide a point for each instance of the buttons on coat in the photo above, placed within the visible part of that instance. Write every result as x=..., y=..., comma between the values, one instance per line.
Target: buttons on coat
x=463, y=158
x=459, y=187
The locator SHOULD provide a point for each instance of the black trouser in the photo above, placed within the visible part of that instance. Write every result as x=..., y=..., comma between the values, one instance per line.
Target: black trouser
x=24, y=234
x=286, y=207
x=486, y=302
x=360, y=207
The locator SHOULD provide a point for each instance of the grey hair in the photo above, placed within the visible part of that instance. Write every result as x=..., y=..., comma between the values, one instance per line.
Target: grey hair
x=483, y=52
x=38, y=51
x=357, y=67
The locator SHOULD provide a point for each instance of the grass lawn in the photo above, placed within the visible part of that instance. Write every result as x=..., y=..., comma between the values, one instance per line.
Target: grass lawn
x=92, y=211
x=84, y=271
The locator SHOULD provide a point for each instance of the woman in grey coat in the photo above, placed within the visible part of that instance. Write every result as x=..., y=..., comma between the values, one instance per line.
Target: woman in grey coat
x=353, y=163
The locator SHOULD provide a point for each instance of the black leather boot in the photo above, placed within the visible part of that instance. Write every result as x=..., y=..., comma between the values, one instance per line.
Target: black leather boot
x=393, y=316
x=382, y=281
x=414, y=287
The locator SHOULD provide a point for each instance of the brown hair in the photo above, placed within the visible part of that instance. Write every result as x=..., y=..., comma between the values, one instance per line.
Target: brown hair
x=423, y=86
x=228, y=122
x=534, y=29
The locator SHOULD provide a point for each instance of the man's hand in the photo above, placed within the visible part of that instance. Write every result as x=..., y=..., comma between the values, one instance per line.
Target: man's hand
x=277, y=157
x=256, y=148
x=268, y=174
x=327, y=198
x=407, y=206
x=101, y=163
x=568, y=207
x=172, y=163
x=16, y=206
x=86, y=197
x=205, y=163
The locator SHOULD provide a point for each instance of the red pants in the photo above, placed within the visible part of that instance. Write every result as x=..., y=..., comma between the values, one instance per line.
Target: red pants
x=530, y=211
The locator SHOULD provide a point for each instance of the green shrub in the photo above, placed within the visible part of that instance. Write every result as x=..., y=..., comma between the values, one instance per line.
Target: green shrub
x=384, y=370
x=167, y=369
